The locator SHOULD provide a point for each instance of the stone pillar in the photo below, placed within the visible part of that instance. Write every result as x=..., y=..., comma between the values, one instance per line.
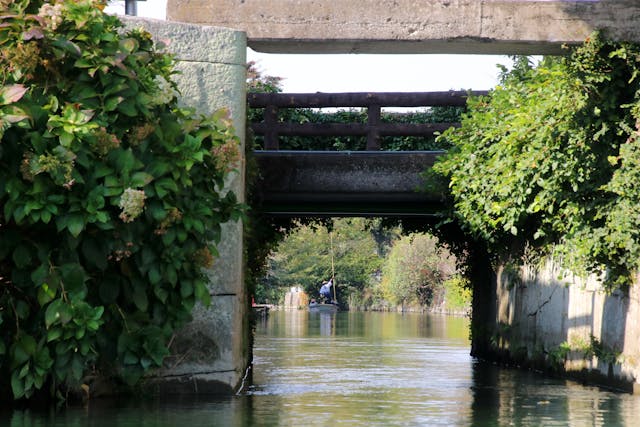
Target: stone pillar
x=212, y=351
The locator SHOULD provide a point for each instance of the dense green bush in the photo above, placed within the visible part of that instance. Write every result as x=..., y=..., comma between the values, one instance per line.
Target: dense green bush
x=551, y=160
x=110, y=198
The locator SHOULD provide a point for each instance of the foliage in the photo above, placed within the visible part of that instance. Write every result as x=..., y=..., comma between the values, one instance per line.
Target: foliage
x=304, y=258
x=109, y=193
x=550, y=159
x=558, y=355
x=457, y=295
x=415, y=270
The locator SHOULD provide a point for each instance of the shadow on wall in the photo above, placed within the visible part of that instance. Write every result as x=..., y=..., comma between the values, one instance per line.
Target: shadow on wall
x=616, y=19
x=562, y=323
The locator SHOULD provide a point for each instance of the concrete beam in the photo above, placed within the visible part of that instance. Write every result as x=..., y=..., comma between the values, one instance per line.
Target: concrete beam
x=411, y=26
x=345, y=183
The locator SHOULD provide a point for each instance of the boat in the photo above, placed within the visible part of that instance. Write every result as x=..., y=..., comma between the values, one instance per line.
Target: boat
x=328, y=305
x=319, y=307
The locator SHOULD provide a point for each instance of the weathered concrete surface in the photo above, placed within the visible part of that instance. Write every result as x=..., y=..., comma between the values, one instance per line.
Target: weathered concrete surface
x=412, y=26
x=343, y=183
x=210, y=355
x=540, y=309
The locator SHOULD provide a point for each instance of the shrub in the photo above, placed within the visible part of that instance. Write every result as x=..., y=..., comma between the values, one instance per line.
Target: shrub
x=110, y=196
x=550, y=160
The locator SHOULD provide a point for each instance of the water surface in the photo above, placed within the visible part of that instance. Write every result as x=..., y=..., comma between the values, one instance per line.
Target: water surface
x=365, y=369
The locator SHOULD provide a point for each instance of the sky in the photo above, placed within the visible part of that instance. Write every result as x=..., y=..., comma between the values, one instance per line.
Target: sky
x=360, y=72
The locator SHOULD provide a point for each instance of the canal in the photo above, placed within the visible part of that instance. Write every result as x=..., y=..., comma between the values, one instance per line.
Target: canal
x=365, y=369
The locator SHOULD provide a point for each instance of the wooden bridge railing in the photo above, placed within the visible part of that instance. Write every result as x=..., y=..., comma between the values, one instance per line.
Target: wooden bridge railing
x=271, y=128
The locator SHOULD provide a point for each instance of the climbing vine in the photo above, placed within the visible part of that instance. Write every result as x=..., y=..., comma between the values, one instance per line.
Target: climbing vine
x=551, y=160
x=109, y=196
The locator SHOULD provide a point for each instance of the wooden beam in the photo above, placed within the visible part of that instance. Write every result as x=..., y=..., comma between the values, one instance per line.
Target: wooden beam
x=355, y=129
x=383, y=99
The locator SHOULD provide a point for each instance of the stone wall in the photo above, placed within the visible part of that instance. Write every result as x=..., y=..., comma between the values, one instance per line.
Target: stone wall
x=547, y=318
x=210, y=355
x=410, y=26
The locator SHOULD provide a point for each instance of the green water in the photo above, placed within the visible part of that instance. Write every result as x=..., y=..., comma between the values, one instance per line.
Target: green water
x=366, y=369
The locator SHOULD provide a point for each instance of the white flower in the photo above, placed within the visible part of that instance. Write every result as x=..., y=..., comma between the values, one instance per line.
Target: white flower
x=164, y=92
x=132, y=204
x=52, y=15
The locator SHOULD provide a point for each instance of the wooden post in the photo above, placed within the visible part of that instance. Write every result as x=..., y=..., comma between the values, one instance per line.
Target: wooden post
x=270, y=121
x=373, y=133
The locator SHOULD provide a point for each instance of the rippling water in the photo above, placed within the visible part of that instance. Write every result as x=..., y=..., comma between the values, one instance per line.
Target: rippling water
x=366, y=369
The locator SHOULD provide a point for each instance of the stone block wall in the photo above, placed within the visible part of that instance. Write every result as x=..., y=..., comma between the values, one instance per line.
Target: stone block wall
x=547, y=318
x=211, y=354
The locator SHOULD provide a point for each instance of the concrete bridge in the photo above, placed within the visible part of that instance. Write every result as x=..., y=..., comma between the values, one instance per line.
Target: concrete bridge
x=410, y=26
x=345, y=183
x=212, y=60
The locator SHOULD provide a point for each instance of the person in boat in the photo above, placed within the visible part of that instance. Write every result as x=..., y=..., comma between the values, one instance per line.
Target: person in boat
x=325, y=290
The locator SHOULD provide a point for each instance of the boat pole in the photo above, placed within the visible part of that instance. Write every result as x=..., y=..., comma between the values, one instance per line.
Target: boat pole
x=333, y=273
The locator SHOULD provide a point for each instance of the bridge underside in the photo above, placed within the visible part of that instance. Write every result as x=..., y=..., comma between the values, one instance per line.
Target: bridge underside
x=409, y=26
x=345, y=183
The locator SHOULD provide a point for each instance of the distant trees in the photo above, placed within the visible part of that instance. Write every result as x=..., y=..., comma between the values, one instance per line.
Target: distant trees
x=304, y=258
x=410, y=270
x=415, y=271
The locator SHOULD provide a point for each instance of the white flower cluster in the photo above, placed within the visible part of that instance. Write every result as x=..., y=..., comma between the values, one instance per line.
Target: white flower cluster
x=132, y=204
x=52, y=15
x=165, y=93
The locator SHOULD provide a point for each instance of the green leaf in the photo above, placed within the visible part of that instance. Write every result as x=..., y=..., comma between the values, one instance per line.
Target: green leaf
x=57, y=311
x=140, y=179
x=202, y=292
x=154, y=275
x=75, y=224
x=53, y=334
x=101, y=170
x=125, y=161
x=17, y=385
x=128, y=108
x=186, y=288
x=52, y=313
x=23, y=349
x=45, y=294
x=21, y=256
x=172, y=275
x=73, y=276
x=140, y=299
x=39, y=275
x=130, y=358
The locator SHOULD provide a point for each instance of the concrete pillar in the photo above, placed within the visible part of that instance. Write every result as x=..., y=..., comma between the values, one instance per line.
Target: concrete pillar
x=214, y=347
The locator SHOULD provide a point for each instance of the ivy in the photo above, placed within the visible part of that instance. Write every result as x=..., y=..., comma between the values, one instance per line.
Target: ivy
x=110, y=205
x=550, y=160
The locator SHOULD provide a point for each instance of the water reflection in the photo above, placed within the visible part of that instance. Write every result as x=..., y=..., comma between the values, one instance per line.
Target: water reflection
x=365, y=369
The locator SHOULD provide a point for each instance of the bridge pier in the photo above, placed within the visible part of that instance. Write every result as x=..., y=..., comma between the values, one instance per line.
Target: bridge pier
x=211, y=354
